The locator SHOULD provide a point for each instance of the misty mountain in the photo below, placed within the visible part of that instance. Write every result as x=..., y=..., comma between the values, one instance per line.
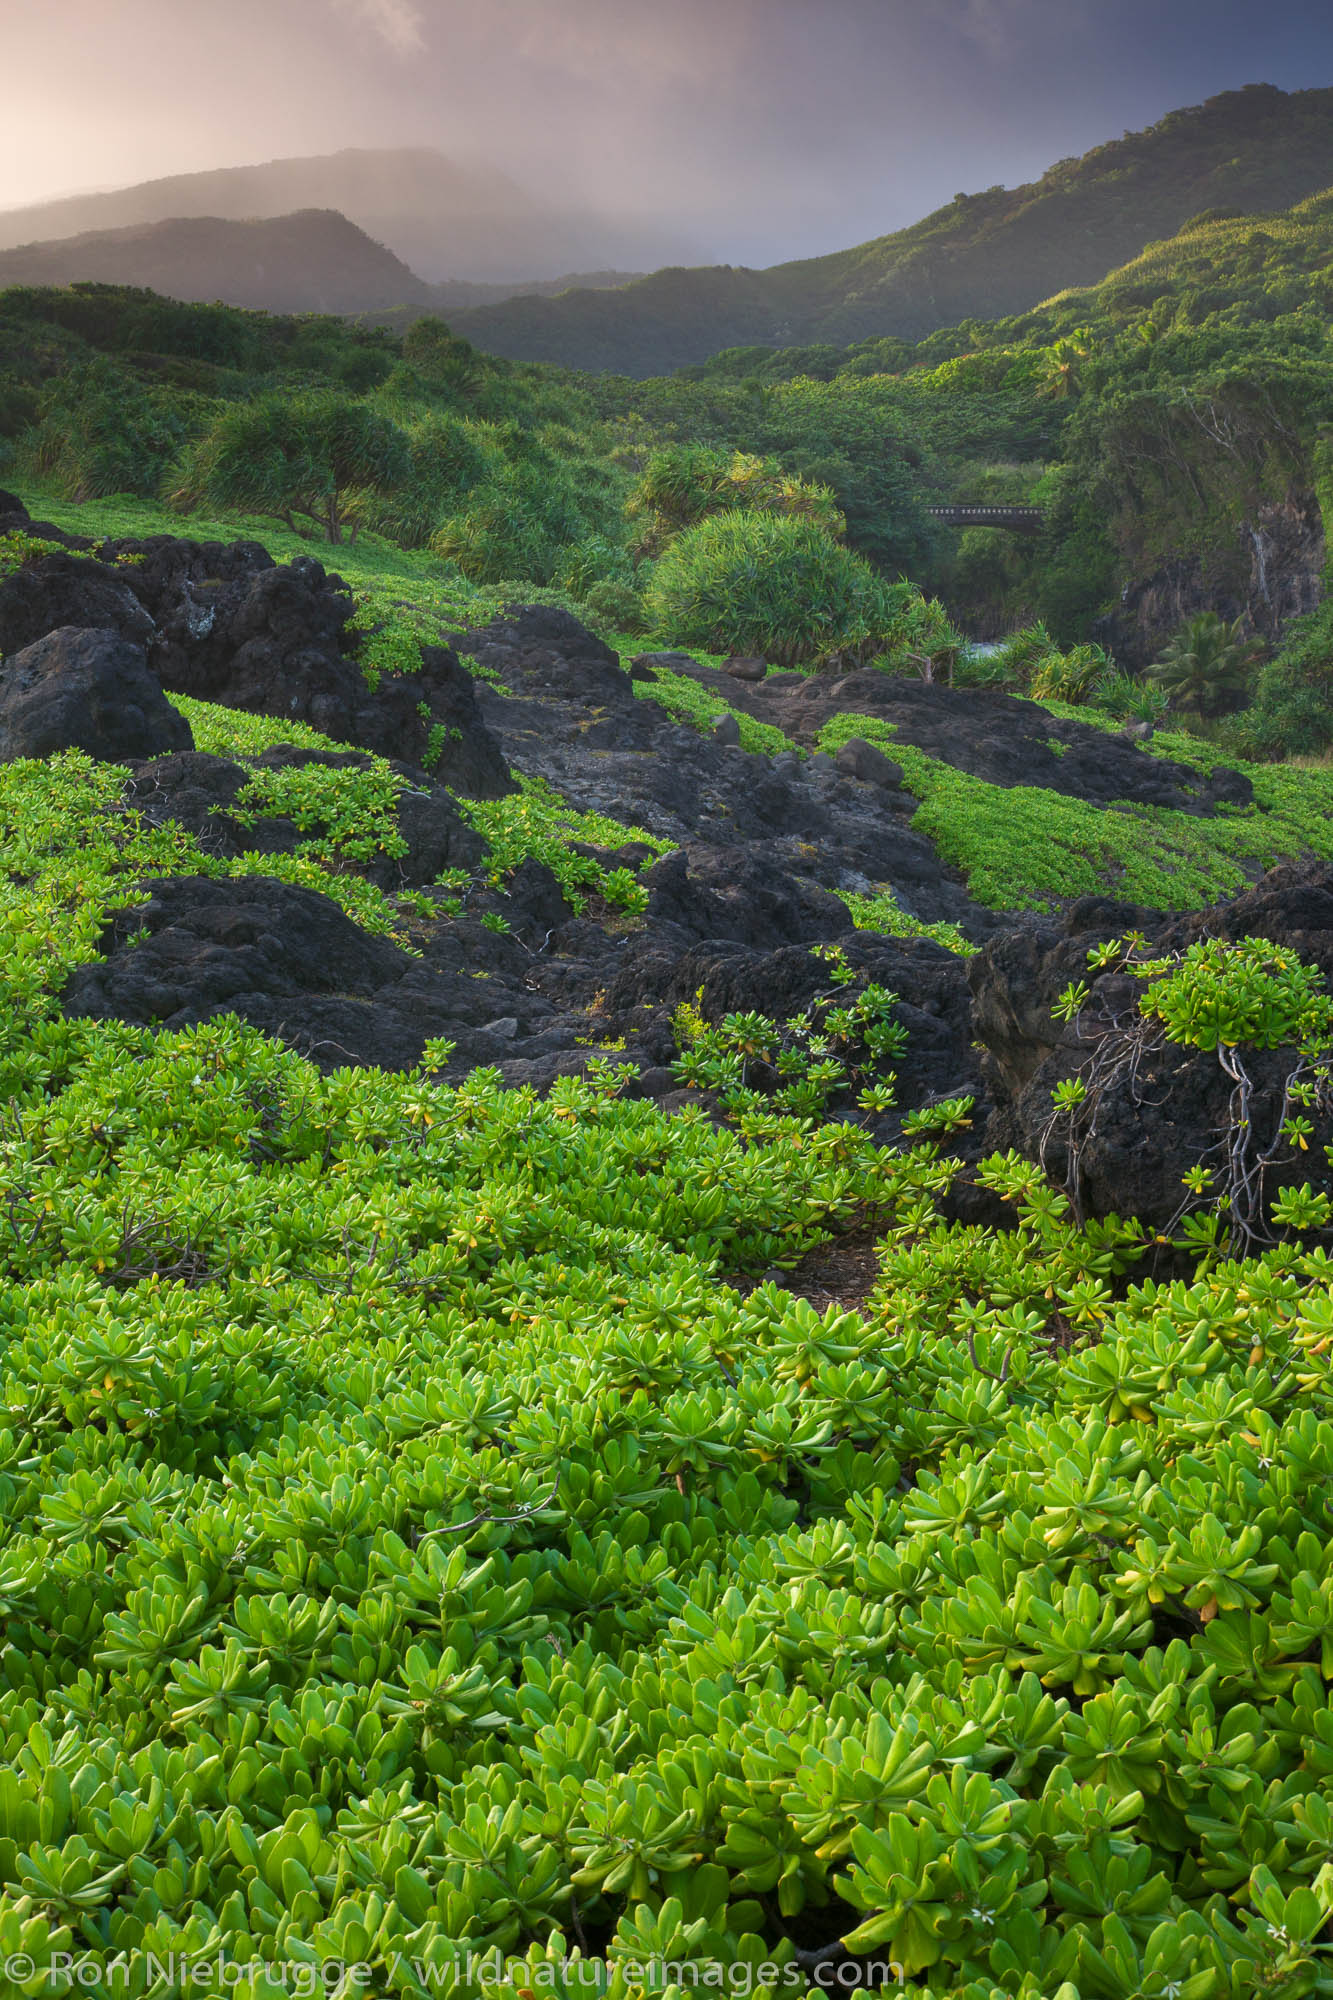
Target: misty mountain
x=315, y=261
x=984, y=256
x=444, y=220
x=460, y=294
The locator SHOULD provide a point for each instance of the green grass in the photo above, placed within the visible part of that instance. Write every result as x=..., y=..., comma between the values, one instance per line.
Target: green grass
x=405, y=596
x=371, y=560
x=692, y=703
x=229, y=732
x=1023, y=847
x=883, y=912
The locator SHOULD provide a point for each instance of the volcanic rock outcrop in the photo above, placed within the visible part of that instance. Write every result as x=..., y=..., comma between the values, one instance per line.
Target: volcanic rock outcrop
x=90, y=690
x=765, y=847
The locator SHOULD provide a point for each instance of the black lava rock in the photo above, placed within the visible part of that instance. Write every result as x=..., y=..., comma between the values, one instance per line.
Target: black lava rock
x=85, y=690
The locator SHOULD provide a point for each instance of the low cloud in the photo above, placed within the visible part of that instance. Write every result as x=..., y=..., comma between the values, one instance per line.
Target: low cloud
x=397, y=22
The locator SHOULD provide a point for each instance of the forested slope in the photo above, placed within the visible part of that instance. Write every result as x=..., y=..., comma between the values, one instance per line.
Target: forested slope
x=984, y=256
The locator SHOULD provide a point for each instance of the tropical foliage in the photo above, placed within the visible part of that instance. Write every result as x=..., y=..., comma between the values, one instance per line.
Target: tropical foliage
x=287, y=456
x=429, y=1525
x=418, y=1541
x=1207, y=666
x=775, y=585
x=682, y=484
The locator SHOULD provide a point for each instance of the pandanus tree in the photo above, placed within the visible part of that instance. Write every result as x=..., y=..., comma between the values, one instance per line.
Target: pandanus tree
x=778, y=586
x=306, y=455
x=1207, y=664
x=683, y=484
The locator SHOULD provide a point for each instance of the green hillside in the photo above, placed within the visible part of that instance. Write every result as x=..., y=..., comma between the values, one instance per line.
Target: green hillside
x=986, y=255
x=312, y=261
x=1223, y=268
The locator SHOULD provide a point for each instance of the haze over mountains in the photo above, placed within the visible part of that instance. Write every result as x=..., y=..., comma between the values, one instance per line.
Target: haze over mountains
x=372, y=229
x=986, y=256
x=313, y=261
x=444, y=219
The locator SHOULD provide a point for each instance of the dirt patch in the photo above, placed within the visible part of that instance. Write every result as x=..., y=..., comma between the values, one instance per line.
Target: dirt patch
x=842, y=1273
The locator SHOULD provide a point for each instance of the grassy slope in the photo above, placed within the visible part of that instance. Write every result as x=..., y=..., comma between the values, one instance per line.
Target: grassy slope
x=1023, y=847
x=1243, y=267
x=987, y=256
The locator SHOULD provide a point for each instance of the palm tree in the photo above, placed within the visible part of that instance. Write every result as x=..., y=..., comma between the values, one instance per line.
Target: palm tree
x=1064, y=363
x=1206, y=662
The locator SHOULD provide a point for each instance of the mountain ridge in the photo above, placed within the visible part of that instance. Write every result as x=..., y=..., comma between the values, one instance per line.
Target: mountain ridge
x=314, y=260
x=444, y=219
x=988, y=255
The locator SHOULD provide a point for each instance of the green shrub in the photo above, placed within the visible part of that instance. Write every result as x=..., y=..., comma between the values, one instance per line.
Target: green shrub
x=447, y=457
x=98, y=431
x=773, y=585
x=536, y=822
x=614, y=606
x=684, y=484
x=1292, y=710
x=1022, y=654
x=537, y=504
x=1119, y=694
x=842, y=1043
x=412, y=1536
x=18, y=548
x=1069, y=677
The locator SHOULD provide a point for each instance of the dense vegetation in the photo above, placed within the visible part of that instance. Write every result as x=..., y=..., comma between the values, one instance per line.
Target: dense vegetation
x=423, y=1535
x=1168, y=422
x=431, y=1525
x=509, y=474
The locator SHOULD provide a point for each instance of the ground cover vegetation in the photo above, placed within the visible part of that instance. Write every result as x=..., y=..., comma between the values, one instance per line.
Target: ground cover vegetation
x=419, y=1538
x=1027, y=847
x=435, y=1520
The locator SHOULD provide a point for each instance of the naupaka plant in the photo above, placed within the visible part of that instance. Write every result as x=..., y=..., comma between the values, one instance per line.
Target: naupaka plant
x=842, y=1042
x=1224, y=995
x=1242, y=1001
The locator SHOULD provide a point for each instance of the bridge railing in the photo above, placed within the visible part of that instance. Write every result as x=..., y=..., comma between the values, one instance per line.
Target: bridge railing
x=996, y=517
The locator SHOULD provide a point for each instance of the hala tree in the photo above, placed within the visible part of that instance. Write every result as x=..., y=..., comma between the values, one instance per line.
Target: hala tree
x=682, y=484
x=300, y=455
x=775, y=585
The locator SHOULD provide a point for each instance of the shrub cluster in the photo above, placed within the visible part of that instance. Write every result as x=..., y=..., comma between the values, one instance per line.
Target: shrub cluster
x=775, y=585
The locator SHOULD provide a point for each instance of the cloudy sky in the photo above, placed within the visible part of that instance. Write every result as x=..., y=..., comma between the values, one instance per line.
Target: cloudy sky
x=751, y=129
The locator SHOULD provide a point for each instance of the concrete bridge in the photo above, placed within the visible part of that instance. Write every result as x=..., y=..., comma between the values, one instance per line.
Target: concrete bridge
x=1021, y=520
